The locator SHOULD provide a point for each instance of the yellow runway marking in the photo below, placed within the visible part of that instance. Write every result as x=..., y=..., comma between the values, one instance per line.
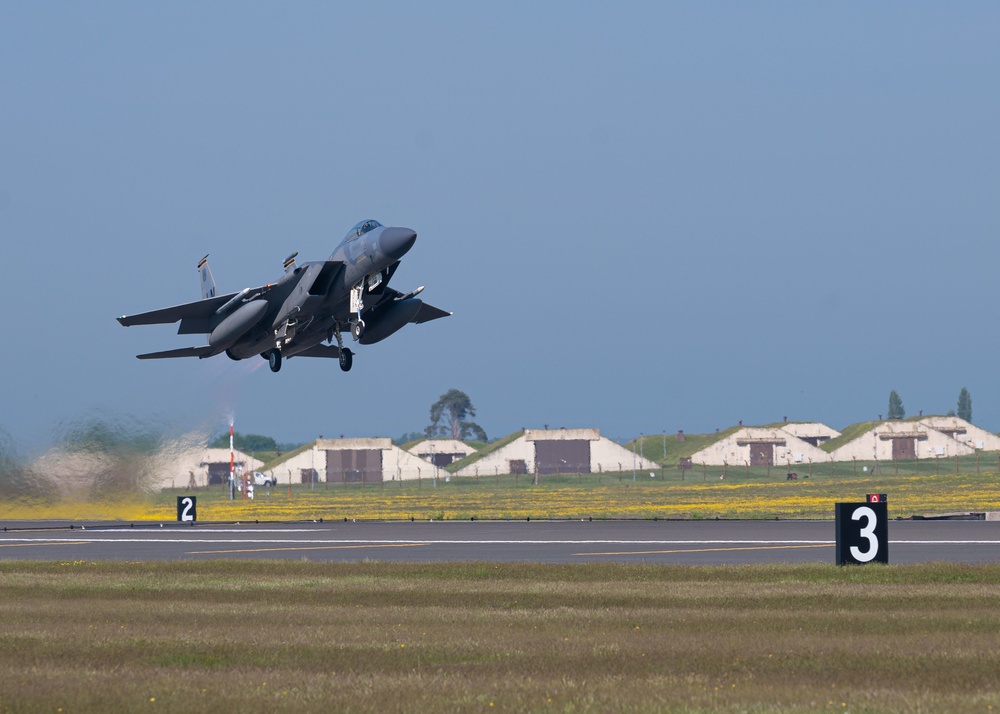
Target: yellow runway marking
x=709, y=550
x=310, y=547
x=22, y=545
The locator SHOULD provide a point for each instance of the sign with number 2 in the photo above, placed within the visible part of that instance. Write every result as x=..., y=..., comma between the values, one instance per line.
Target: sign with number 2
x=187, y=509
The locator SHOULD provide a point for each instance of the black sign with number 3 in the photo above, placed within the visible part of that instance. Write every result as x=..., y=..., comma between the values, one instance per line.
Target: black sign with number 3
x=862, y=533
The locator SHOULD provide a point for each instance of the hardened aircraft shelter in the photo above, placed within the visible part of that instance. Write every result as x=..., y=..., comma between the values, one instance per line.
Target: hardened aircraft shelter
x=359, y=460
x=441, y=452
x=559, y=451
x=932, y=437
x=926, y=438
x=177, y=465
x=768, y=446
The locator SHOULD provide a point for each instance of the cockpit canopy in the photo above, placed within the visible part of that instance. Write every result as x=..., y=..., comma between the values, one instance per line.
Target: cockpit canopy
x=361, y=228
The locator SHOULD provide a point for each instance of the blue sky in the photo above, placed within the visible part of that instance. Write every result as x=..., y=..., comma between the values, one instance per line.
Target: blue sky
x=645, y=216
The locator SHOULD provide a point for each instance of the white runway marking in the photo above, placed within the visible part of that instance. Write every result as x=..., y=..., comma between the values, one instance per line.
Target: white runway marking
x=176, y=529
x=427, y=541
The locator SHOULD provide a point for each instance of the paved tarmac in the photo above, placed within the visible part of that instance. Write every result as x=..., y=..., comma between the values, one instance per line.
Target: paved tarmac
x=675, y=542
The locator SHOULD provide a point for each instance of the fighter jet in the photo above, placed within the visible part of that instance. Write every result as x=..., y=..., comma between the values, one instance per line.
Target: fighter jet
x=305, y=311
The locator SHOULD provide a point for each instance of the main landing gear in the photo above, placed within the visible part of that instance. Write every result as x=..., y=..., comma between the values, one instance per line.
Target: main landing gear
x=346, y=359
x=346, y=356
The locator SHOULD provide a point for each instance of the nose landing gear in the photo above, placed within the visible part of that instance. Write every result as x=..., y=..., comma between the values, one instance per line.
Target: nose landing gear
x=357, y=306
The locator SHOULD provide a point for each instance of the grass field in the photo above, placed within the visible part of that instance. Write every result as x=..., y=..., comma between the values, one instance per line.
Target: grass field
x=367, y=637
x=743, y=493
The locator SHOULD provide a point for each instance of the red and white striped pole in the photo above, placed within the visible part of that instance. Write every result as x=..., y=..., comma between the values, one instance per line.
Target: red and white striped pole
x=232, y=464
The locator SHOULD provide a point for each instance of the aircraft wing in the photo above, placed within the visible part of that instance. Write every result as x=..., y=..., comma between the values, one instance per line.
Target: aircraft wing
x=197, y=309
x=203, y=351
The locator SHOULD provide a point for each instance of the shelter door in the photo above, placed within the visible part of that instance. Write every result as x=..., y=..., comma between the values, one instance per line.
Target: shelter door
x=353, y=465
x=442, y=460
x=570, y=456
x=762, y=454
x=904, y=449
x=218, y=473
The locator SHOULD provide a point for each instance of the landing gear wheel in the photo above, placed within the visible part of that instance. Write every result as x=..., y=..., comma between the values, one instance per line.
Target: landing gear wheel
x=274, y=360
x=346, y=359
x=357, y=329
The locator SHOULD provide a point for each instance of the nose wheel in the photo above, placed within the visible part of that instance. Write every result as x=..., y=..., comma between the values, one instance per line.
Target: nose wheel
x=357, y=329
x=274, y=360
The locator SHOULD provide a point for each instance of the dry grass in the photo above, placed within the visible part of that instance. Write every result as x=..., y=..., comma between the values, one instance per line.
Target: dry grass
x=269, y=636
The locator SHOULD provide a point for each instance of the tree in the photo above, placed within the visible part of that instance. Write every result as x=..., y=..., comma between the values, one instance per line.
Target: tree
x=453, y=407
x=896, y=410
x=965, y=405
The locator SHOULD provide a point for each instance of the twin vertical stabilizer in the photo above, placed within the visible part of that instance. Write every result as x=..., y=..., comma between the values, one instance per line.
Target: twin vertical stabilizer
x=207, y=281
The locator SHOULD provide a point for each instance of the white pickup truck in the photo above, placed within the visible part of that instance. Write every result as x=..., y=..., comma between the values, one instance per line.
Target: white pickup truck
x=260, y=479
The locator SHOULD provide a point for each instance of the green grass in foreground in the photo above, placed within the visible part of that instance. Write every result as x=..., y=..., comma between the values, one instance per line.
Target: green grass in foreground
x=376, y=637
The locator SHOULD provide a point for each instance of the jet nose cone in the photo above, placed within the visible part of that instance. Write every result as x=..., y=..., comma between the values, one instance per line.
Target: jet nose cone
x=394, y=242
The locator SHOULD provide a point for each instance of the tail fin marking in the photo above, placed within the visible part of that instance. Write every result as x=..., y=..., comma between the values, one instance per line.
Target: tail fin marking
x=207, y=281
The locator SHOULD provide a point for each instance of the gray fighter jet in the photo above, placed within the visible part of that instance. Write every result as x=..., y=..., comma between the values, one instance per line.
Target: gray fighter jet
x=311, y=304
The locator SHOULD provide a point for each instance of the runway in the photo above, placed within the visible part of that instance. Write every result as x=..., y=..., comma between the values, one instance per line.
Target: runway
x=660, y=542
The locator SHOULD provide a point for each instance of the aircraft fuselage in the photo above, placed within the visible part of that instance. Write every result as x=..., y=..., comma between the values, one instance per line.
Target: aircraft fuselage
x=366, y=259
x=309, y=304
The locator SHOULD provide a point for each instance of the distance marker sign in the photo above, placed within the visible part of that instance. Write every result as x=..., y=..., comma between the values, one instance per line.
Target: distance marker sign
x=862, y=533
x=187, y=509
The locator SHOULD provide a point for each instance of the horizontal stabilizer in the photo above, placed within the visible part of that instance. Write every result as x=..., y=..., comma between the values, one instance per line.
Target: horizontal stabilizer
x=329, y=351
x=428, y=313
x=204, y=351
